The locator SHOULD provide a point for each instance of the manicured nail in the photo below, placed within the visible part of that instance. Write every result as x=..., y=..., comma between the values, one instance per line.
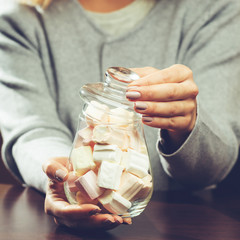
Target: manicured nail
x=107, y=222
x=147, y=119
x=119, y=220
x=127, y=222
x=133, y=95
x=141, y=105
x=60, y=175
x=94, y=211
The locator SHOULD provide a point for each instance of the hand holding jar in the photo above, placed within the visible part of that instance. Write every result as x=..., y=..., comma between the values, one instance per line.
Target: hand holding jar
x=78, y=216
x=166, y=99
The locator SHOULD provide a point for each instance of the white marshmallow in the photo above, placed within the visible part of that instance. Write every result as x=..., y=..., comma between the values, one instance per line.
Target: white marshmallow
x=136, y=163
x=130, y=185
x=82, y=159
x=109, y=175
x=121, y=116
x=96, y=113
x=114, y=202
x=134, y=141
x=86, y=134
x=101, y=134
x=143, y=148
x=124, y=160
x=111, y=153
x=89, y=182
x=104, y=134
x=146, y=189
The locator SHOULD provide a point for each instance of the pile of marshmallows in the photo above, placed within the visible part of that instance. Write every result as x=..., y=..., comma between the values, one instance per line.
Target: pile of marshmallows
x=110, y=164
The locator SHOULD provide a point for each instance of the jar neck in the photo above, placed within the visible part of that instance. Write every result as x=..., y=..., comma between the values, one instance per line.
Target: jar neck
x=112, y=92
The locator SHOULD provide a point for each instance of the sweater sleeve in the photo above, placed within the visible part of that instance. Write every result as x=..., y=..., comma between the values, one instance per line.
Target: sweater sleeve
x=31, y=127
x=211, y=48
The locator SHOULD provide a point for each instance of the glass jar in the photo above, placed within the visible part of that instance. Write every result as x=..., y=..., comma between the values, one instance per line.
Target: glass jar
x=109, y=164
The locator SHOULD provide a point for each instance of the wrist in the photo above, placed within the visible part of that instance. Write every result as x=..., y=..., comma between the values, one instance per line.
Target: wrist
x=171, y=141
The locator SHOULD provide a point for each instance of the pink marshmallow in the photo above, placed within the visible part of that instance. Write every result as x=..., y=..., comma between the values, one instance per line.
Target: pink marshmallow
x=89, y=182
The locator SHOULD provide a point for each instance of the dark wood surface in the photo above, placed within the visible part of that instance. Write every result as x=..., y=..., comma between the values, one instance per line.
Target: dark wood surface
x=169, y=216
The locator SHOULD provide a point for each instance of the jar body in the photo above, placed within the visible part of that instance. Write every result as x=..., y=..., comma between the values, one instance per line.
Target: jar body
x=109, y=164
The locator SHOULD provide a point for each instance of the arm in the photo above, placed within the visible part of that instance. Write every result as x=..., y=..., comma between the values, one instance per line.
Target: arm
x=34, y=135
x=204, y=151
x=30, y=124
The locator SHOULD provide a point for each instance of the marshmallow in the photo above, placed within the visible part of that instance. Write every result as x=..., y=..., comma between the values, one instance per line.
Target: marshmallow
x=109, y=175
x=96, y=113
x=104, y=134
x=130, y=185
x=85, y=135
x=89, y=182
x=114, y=202
x=124, y=160
x=143, y=148
x=111, y=153
x=82, y=159
x=84, y=138
x=134, y=141
x=71, y=182
x=136, y=163
x=120, y=116
x=146, y=189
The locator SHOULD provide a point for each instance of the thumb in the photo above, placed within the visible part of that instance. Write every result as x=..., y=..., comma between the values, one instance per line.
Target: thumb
x=55, y=168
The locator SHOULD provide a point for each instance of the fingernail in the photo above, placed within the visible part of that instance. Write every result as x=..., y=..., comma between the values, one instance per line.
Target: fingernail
x=141, y=105
x=119, y=220
x=107, y=222
x=147, y=119
x=60, y=175
x=133, y=95
x=127, y=223
x=94, y=211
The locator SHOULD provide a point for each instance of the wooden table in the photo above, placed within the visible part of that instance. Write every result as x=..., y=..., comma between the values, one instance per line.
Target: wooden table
x=169, y=216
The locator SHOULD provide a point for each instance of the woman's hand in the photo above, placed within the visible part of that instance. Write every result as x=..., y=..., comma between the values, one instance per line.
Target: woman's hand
x=167, y=99
x=80, y=217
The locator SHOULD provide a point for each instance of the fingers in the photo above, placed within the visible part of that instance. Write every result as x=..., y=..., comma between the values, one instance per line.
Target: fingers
x=165, y=109
x=99, y=221
x=176, y=115
x=163, y=92
x=81, y=219
x=55, y=168
x=127, y=221
x=64, y=210
x=84, y=216
x=166, y=98
x=142, y=72
x=151, y=76
x=180, y=123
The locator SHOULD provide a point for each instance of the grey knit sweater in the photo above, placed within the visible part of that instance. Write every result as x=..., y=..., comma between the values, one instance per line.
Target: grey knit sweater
x=46, y=57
